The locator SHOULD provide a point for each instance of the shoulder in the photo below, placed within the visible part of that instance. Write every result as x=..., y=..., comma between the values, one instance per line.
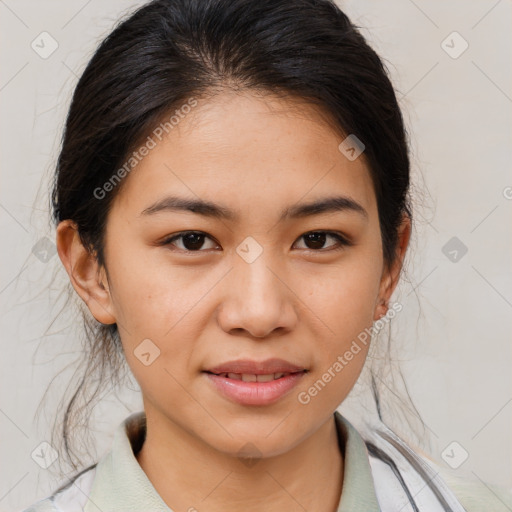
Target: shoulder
x=475, y=494
x=71, y=497
x=460, y=488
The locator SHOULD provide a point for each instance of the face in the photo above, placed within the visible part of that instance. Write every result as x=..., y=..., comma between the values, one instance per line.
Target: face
x=261, y=277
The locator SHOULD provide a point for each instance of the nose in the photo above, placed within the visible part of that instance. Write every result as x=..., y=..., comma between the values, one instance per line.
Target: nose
x=257, y=300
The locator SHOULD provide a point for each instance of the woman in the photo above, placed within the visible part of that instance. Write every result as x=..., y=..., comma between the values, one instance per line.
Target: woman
x=231, y=201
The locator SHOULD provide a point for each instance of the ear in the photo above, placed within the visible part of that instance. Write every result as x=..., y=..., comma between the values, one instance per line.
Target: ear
x=87, y=278
x=391, y=274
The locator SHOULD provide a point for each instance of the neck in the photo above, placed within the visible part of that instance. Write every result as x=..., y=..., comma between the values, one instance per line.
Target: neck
x=191, y=475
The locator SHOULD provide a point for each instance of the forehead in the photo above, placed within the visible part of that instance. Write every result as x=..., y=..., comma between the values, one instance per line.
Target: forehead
x=248, y=151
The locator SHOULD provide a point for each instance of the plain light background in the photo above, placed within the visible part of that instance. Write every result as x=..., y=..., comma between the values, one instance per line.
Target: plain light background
x=454, y=334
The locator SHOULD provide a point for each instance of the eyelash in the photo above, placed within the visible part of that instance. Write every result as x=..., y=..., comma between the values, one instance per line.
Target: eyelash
x=342, y=241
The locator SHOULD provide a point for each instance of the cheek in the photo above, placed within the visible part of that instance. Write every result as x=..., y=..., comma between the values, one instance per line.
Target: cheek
x=149, y=296
x=345, y=299
x=345, y=303
x=164, y=304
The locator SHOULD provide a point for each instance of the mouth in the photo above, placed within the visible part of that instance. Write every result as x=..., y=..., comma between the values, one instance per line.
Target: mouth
x=251, y=377
x=250, y=367
x=248, y=382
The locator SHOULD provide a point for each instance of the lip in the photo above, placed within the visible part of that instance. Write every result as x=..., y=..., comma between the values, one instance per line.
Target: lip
x=255, y=393
x=248, y=366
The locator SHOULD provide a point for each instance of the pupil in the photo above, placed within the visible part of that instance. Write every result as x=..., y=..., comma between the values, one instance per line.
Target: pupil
x=193, y=241
x=316, y=238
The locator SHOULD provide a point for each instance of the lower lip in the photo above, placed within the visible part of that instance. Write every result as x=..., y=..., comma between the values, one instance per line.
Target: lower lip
x=255, y=393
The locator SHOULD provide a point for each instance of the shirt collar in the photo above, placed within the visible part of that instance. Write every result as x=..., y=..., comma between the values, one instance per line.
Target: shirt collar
x=121, y=484
x=358, y=490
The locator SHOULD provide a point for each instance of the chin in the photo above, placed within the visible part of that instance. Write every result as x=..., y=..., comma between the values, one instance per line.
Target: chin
x=255, y=439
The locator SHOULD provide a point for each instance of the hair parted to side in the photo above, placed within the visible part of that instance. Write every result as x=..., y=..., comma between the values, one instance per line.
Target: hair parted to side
x=169, y=51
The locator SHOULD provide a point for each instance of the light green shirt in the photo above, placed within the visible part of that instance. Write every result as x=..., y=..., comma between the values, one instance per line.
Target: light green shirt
x=118, y=483
x=121, y=484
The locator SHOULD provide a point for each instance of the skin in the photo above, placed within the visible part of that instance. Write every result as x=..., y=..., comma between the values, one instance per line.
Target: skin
x=301, y=302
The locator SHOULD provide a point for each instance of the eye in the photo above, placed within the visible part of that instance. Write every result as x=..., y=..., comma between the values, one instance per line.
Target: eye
x=192, y=241
x=317, y=239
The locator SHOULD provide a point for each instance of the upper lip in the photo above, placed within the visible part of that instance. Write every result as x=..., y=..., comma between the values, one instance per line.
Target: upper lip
x=249, y=367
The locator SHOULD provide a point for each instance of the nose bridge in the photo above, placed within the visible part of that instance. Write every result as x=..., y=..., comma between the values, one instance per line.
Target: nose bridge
x=251, y=265
x=257, y=286
x=256, y=300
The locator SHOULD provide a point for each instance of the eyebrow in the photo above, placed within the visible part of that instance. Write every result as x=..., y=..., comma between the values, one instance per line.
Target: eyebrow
x=217, y=211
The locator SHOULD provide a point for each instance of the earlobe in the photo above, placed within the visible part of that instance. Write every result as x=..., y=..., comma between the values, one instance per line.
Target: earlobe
x=86, y=276
x=380, y=310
